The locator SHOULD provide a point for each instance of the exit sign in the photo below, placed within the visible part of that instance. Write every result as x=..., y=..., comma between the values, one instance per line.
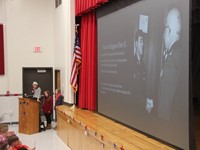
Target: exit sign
x=37, y=49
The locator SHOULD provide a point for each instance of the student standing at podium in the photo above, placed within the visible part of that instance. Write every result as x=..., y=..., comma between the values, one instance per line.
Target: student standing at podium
x=48, y=108
x=36, y=91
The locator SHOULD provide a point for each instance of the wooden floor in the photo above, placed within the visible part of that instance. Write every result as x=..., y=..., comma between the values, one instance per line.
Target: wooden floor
x=197, y=123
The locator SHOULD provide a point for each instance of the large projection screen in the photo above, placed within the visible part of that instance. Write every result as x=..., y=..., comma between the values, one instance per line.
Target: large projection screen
x=143, y=68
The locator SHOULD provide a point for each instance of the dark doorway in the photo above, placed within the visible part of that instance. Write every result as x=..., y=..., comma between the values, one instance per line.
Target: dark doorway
x=57, y=79
x=44, y=77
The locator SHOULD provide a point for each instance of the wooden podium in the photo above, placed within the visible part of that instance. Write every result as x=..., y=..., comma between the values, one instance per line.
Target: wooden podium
x=28, y=116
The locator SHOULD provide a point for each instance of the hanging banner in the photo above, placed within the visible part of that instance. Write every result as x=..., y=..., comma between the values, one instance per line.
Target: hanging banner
x=1, y=51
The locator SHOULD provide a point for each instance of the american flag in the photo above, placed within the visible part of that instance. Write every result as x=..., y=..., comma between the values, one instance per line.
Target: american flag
x=76, y=63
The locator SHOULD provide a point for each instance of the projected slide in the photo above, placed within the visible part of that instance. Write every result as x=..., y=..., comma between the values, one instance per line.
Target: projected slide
x=143, y=68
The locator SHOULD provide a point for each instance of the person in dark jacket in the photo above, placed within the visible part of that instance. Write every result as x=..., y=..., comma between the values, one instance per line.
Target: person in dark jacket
x=59, y=98
x=58, y=101
x=170, y=67
x=48, y=108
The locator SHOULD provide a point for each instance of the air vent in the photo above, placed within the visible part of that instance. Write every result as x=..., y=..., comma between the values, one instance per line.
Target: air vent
x=41, y=71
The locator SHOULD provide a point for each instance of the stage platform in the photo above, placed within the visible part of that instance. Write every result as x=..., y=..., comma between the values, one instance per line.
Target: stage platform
x=86, y=130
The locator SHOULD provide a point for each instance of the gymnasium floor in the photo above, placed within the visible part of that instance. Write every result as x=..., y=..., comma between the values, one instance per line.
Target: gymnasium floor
x=46, y=140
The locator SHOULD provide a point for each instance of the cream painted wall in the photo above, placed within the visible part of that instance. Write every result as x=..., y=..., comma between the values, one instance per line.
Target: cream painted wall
x=2, y=12
x=64, y=27
x=9, y=109
x=3, y=79
x=28, y=23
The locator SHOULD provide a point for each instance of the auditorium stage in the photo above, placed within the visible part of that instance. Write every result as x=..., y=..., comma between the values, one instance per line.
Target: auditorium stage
x=87, y=130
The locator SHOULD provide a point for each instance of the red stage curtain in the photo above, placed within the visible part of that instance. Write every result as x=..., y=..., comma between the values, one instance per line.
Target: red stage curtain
x=1, y=51
x=83, y=6
x=88, y=72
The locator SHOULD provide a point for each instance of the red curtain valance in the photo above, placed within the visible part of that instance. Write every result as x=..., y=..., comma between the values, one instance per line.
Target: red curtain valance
x=84, y=6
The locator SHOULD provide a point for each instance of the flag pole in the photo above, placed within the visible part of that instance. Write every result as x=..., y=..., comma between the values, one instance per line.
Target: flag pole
x=74, y=105
x=76, y=27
